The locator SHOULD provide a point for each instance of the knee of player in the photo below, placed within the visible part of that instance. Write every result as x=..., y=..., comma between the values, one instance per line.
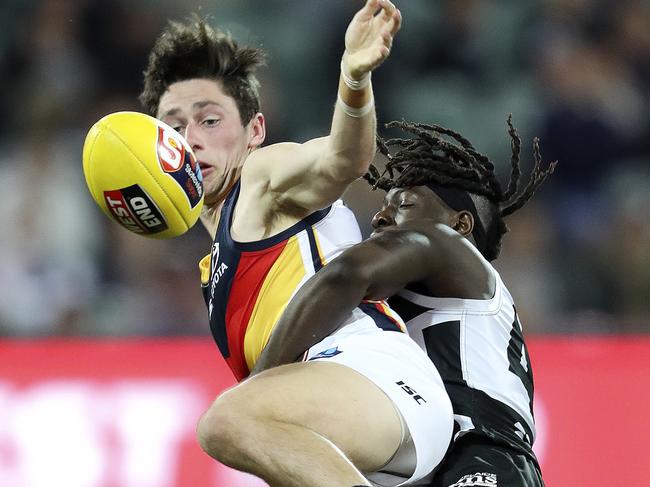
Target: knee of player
x=223, y=426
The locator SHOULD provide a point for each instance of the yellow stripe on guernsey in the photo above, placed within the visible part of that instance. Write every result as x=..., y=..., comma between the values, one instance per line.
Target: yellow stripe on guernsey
x=291, y=269
x=204, y=269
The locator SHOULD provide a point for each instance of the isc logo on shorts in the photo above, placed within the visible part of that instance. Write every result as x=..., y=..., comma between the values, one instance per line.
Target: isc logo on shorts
x=411, y=392
x=477, y=480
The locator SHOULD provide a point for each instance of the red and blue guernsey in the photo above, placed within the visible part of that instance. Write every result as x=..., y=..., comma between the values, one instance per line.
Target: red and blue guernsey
x=247, y=285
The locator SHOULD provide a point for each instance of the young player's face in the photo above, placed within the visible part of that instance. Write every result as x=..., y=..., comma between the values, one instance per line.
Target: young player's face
x=210, y=122
x=402, y=205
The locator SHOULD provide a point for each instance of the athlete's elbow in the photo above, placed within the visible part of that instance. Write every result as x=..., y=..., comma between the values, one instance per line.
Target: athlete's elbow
x=360, y=170
x=350, y=164
x=359, y=165
x=347, y=171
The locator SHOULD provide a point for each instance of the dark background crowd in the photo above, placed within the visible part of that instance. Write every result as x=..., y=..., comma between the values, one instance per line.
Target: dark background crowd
x=576, y=73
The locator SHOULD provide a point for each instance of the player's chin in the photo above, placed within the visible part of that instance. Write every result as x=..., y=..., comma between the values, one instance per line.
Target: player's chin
x=214, y=190
x=212, y=180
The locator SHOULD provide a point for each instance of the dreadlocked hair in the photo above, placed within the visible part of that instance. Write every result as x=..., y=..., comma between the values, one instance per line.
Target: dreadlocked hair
x=194, y=49
x=430, y=158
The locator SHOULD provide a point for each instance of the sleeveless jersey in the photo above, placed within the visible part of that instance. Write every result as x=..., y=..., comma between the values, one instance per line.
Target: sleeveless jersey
x=247, y=285
x=479, y=350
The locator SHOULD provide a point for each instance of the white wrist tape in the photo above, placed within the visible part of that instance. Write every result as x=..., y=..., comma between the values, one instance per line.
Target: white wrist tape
x=356, y=112
x=355, y=84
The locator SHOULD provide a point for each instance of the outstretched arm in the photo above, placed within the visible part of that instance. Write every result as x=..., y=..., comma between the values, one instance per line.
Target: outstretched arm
x=374, y=269
x=314, y=174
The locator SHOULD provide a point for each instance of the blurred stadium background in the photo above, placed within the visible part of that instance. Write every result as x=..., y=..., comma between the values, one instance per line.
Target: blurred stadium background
x=82, y=411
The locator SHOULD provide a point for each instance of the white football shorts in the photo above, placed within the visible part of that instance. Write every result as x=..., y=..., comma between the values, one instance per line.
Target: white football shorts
x=399, y=367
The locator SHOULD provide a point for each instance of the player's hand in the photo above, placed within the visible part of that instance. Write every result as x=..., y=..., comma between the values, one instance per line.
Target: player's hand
x=369, y=37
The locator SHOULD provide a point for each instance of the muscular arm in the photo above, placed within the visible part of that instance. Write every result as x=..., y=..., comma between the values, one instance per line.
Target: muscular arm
x=314, y=174
x=435, y=256
x=374, y=269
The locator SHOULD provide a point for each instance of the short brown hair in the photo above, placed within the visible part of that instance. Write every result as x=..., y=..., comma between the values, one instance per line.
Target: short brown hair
x=195, y=50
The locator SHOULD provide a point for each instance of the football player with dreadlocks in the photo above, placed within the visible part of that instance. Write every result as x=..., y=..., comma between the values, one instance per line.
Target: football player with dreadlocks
x=440, y=228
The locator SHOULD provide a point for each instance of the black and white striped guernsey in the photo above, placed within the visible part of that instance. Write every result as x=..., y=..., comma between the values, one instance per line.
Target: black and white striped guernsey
x=479, y=350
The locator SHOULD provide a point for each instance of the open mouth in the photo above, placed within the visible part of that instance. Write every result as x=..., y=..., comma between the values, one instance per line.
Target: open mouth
x=205, y=168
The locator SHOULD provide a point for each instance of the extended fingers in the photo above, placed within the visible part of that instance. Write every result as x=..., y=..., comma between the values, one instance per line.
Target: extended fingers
x=388, y=9
x=390, y=17
x=372, y=31
x=391, y=24
x=397, y=22
x=369, y=9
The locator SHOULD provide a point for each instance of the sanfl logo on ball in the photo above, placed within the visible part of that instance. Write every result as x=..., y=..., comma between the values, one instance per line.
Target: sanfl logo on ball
x=178, y=161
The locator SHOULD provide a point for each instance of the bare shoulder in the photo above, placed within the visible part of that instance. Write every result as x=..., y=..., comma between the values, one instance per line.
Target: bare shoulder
x=260, y=162
x=457, y=257
x=439, y=242
x=257, y=171
x=286, y=163
x=260, y=202
x=450, y=243
x=422, y=233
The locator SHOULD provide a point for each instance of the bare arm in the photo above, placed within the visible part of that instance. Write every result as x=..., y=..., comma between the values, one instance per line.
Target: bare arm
x=432, y=255
x=374, y=269
x=314, y=174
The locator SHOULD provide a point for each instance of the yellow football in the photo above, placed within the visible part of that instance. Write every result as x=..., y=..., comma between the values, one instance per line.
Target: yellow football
x=143, y=174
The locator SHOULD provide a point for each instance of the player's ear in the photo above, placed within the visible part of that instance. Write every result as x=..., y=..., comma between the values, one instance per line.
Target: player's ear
x=463, y=223
x=257, y=130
